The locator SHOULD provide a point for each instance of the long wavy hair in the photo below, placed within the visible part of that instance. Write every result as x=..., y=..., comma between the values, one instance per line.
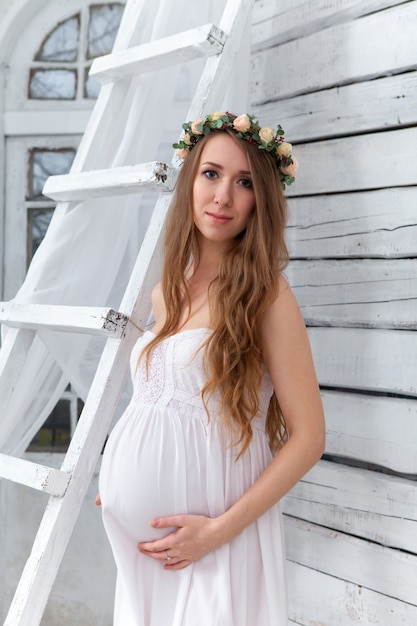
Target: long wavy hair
x=239, y=296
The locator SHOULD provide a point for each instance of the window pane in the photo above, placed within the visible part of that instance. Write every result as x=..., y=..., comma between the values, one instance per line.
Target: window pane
x=91, y=86
x=62, y=43
x=52, y=84
x=44, y=163
x=38, y=222
x=56, y=431
x=102, y=28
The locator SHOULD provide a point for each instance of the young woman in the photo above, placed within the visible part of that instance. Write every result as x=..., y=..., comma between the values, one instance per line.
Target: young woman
x=226, y=413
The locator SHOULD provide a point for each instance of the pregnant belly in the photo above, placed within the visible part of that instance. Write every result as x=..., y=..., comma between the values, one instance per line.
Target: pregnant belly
x=151, y=468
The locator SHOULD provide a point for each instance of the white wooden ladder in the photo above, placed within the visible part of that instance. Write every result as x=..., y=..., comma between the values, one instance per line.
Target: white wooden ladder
x=67, y=486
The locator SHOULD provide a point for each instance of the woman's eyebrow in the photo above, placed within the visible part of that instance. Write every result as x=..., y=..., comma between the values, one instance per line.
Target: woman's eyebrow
x=220, y=167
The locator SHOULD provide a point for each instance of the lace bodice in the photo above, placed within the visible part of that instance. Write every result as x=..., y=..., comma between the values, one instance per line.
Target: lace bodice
x=176, y=372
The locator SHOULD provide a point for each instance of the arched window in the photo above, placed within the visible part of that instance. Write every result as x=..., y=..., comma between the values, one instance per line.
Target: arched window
x=48, y=99
x=60, y=67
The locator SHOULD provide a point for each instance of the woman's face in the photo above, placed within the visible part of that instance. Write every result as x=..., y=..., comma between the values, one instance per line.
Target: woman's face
x=223, y=196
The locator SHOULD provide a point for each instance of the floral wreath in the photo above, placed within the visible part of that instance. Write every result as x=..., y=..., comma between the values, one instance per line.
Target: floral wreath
x=246, y=127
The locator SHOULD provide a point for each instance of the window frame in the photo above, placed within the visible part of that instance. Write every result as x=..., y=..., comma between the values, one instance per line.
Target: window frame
x=15, y=222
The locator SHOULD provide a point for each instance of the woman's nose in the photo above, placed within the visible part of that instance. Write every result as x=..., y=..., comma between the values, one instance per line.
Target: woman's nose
x=223, y=196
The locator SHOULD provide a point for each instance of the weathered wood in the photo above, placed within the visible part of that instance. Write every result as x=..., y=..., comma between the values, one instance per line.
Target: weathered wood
x=380, y=569
x=40, y=477
x=366, y=359
x=277, y=22
x=368, y=504
x=390, y=103
x=356, y=163
x=117, y=181
x=380, y=223
x=374, y=429
x=192, y=44
x=337, y=56
x=371, y=292
x=317, y=599
x=92, y=320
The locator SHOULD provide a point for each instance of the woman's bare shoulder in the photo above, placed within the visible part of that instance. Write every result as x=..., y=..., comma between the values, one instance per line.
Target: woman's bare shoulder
x=284, y=310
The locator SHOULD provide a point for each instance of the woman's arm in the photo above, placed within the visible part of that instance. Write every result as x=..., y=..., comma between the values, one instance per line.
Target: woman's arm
x=289, y=362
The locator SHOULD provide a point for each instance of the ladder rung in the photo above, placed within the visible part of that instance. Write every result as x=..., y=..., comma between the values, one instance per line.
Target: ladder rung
x=114, y=181
x=40, y=477
x=204, y=41
x=92, y=320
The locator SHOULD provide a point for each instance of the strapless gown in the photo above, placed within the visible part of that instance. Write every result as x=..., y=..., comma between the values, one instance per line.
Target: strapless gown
x=164, y=457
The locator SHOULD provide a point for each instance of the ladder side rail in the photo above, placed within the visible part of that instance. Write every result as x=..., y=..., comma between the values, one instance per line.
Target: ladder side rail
x=61, y=513
x=59, y=518
x=210, y=89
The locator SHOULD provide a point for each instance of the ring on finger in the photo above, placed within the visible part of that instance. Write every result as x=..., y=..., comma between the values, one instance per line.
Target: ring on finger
x=168, y=558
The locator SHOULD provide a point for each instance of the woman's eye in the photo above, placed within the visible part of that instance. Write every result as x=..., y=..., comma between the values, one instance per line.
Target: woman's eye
x=211, y=174
x=246, y=182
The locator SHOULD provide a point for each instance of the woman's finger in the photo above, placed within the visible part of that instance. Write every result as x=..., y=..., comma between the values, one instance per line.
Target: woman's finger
x=178, y=565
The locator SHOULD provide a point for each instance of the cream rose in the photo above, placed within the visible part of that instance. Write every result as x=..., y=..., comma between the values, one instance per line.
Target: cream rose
x=242, y=123
x=216, y=115
x=284, y=149
x=187, y=139
x=194, y=127
x=290, y=170
x=181, y=153
x=266, y=134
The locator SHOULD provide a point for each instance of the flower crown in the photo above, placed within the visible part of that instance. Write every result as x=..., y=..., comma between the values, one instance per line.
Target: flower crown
x=246, y=127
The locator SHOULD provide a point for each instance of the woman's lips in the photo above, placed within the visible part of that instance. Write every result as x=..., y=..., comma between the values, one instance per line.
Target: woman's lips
x=219, y=219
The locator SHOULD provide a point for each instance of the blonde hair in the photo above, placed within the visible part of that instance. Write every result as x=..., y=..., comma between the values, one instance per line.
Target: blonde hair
x=244, y=289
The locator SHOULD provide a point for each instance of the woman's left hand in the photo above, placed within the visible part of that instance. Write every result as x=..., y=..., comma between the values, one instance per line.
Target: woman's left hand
x=194, y=537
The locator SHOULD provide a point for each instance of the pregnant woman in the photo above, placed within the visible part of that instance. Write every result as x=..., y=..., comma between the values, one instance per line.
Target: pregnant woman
x=226, y=413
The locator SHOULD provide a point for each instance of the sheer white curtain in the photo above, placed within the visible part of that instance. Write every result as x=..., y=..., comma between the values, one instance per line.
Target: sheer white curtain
x=88, y=253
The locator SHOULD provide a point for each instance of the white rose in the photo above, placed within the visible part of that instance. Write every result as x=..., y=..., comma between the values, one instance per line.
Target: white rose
x=284, y=149
x=216, y=116
x=266, y=134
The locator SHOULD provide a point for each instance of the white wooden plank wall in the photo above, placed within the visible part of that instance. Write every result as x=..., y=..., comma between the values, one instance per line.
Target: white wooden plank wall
x=341, y=77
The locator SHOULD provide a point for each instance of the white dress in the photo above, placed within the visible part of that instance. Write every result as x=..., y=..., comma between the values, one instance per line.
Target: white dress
x=164, y=458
